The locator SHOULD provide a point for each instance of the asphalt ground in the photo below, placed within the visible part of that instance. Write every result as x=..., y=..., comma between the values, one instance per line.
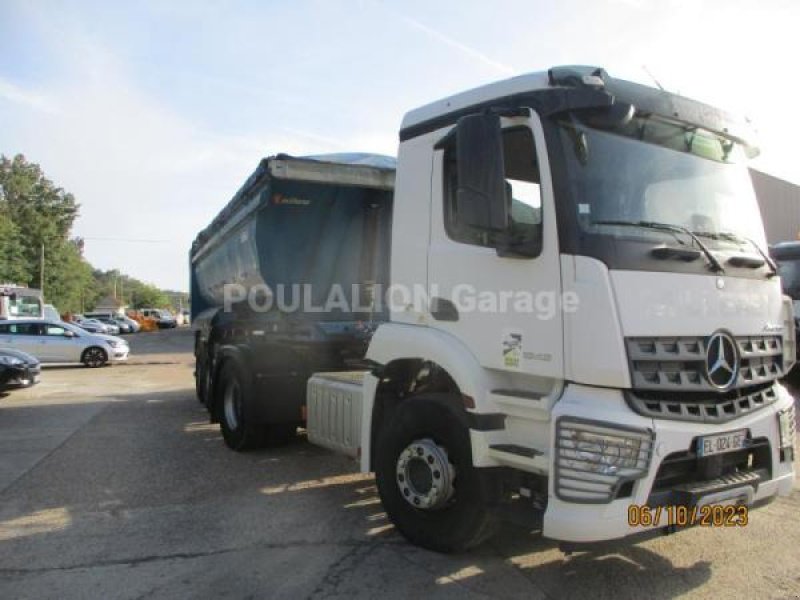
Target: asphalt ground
x=114, y=485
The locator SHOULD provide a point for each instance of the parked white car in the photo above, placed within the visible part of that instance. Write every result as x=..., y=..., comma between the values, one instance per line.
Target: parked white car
x=56, y=342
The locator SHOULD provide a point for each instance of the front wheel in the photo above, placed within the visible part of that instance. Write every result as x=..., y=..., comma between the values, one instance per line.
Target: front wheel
x=94, y=357
x=426, y=480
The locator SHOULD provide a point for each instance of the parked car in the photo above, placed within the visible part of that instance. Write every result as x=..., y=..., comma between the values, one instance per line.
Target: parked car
x=121, y=326
x=56, y=342
x=125, y=324
x=163, y=317
x=91, y=327
x=134, y=325
x=97, y=326
x=18, y=369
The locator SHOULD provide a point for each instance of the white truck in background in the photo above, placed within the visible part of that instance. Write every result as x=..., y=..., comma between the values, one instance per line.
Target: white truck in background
x=583, y=327
x=19, y=302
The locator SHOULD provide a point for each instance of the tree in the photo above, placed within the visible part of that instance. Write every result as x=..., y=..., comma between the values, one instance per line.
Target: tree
x=35, y=214
x=149, y=296
x=68, y=278
x=41, y=217
x=13, y=267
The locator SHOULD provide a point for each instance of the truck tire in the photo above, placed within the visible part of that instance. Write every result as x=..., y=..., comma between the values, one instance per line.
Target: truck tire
x=238, y=431
x=279, y=434
x=427, y=483
x=94, y=356
x=202, y=382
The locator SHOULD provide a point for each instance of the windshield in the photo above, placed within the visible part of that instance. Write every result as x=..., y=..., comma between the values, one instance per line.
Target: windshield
x=23, y=306
x=660, y=171
x=74, y=329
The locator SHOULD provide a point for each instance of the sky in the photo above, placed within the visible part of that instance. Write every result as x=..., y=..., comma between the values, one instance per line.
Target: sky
x=153, y=113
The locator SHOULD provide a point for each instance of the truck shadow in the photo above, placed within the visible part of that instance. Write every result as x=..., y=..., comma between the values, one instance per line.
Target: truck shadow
x=169, y=490
x=514, y=563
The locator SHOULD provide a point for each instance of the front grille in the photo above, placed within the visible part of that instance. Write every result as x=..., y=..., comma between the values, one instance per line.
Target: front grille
x=679, y=363
x=702, y=407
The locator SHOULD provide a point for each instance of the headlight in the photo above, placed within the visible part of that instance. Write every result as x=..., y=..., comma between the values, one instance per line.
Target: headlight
x=594, y=458
x=786, y=427
x=11, y=361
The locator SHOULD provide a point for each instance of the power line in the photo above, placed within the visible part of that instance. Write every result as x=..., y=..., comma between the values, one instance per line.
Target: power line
x=132, y=240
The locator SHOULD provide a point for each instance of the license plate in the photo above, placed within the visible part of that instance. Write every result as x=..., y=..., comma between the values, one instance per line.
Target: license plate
x=724, y=442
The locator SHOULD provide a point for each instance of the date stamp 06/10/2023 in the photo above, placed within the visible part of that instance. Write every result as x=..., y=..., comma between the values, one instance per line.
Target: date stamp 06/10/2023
x=706, y=515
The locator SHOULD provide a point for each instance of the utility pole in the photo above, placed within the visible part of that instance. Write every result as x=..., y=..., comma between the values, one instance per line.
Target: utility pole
x=41, y=270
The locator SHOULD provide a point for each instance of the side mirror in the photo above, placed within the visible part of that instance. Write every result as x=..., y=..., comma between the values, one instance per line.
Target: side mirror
x=618, y=114
x=481, y=194
x=69, y=334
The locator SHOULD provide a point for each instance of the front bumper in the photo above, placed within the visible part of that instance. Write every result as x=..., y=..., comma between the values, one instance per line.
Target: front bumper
x=24, y=376
x=576, y=522
x=119, y=354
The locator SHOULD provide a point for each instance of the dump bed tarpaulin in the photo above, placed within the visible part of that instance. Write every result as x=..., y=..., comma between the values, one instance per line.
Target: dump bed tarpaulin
x=289, y=233
x=323, y=235
x=370, y=170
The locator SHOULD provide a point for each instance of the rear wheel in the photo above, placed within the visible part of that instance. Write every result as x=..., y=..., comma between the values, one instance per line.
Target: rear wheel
x=239, y=429
x=426, y=480
x=202, y=382
x=94, y=357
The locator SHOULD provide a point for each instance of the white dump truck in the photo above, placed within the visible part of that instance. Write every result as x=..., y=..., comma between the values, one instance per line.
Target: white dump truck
x=601, y=329
x=583, y=329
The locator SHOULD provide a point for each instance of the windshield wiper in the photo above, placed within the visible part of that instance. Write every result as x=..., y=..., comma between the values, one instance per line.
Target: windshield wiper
x=732, y=237
x=712, y=260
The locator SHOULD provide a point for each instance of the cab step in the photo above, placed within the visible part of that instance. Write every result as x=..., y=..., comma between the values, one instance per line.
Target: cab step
x=516, y=449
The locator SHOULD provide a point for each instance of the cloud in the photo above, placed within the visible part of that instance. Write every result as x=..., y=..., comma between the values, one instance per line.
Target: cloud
x=140, y=169
x=16, y=94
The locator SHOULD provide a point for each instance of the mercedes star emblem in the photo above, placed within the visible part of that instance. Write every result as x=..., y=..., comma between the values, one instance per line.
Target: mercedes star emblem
x=722, y=360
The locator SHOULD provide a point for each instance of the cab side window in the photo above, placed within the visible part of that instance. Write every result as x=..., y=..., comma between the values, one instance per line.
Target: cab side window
x=55, y=330
x=523, y=192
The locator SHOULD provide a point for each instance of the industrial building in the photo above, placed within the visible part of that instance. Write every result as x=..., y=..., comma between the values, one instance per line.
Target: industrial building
x=780, y=206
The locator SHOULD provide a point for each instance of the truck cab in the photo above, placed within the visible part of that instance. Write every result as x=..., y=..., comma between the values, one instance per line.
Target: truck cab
x=19, y=302
x=583, y=318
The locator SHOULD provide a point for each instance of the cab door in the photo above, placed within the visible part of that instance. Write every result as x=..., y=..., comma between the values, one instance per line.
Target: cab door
x=505, y=307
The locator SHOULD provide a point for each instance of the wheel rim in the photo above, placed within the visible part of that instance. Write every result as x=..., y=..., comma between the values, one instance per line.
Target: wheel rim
x=231, y=404
x=94, y=357
x=425, y=475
